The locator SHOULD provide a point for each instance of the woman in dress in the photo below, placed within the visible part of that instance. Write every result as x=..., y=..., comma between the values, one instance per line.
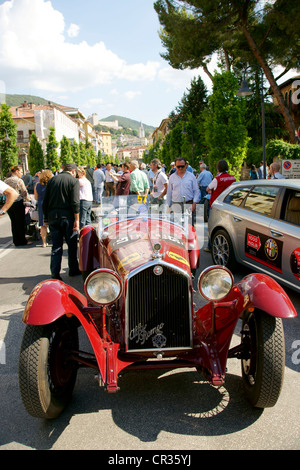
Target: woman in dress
x=39, y=192
x=17, y=211
x=86, y=198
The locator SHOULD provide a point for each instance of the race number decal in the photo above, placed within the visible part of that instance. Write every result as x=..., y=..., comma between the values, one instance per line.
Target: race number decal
x=129, y=259
x=177, y=257
x=266, y=250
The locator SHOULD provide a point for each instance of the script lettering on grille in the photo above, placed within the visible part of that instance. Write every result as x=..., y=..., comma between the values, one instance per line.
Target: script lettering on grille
x=141, y=335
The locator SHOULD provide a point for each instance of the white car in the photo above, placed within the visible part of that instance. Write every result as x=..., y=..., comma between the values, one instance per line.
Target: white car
x=257, y=223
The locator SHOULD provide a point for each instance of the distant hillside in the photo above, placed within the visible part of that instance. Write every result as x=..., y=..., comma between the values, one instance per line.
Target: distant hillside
x=17, y=100
x=130, y=123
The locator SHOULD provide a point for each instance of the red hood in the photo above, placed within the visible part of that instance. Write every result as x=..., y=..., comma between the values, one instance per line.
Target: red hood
x=130, y=243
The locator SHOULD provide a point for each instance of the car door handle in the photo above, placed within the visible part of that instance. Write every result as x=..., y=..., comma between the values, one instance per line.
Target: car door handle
x=237, y=219
x=276, y=234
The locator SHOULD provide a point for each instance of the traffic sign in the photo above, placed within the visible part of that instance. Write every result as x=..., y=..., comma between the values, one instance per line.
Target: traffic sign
x=290, y=169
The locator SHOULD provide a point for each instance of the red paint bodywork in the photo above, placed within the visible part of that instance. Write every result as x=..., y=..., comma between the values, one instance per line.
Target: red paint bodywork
x=125, y=246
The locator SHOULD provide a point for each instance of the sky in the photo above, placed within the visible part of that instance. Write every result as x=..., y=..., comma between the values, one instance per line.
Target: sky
x=101, y=56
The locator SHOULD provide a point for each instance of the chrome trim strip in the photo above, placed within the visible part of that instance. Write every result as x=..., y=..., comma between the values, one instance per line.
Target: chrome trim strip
x=157, y=350
x=154, y=263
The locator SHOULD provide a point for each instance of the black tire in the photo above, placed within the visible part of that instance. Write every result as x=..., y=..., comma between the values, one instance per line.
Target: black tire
x=263, y=366
x=47, y=374
x=85, y=274
x=222, y=250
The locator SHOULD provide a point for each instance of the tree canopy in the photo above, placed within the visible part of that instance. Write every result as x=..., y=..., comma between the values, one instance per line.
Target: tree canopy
x=242, y=31
x=8, y=148
x=225, y=130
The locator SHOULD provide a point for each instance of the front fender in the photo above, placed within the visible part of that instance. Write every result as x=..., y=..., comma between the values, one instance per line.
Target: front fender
x=264, y=293
x=50, y=300
x=193, y=248
x=88, y=249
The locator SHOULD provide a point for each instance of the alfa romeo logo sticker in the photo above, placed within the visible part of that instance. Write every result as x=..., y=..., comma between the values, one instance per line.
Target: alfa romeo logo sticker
x=271, y=249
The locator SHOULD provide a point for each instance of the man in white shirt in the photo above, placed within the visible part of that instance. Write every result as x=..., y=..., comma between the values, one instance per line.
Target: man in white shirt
x=160, y=182
x=274, y=171
x=183, y=188
x=99, y=179
x=261, y=171
x=10, y=195
x=110, y=185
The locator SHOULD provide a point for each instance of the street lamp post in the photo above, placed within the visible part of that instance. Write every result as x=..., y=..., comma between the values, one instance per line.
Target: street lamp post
x=245, y=91
x=6, y=139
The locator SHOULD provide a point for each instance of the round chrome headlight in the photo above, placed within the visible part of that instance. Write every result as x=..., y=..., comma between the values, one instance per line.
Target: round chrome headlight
x=103, y=287
x=215, y=283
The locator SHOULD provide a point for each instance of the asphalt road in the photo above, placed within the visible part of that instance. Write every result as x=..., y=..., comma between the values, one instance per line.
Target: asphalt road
x=155, y=410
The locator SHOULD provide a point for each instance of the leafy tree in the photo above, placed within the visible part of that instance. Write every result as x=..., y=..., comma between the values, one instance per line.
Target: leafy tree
x=186, y=137
x=283, y=150
x=154, y=151
x=65, y=151
x=8, y=149
x=52, y=158
x=99, y=157
x=225, y=131
x=192, y=103
x=89, y=153
x=36, y=160
x=274, y=124
x=82, y=153
x=193, y=30
x=75, y=151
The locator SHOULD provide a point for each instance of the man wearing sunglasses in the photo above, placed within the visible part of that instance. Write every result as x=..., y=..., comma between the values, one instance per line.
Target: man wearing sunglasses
x=183, y=188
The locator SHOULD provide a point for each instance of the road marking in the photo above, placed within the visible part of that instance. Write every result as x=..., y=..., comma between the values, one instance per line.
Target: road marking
x=3, y=249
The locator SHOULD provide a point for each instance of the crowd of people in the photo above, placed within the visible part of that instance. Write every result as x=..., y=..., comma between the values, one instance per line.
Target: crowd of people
x=273, y=172
x=65, y=199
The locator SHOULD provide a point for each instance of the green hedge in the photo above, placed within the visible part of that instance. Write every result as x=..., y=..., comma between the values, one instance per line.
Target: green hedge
x=274, y=148
x=282, y=150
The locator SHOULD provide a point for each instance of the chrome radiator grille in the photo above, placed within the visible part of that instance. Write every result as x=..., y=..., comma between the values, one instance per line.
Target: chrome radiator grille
x=158, y=310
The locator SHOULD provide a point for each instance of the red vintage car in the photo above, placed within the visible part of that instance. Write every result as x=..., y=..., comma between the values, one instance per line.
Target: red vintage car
x=138, y=313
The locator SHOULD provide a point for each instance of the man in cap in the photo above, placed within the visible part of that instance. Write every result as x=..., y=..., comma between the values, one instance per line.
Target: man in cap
x=173, y=169
x=61, y=208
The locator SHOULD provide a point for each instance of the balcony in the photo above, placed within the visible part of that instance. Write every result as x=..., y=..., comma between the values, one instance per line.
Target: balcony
x=23, y=140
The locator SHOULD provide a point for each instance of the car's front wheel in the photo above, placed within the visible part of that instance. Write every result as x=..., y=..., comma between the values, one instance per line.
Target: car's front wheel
x=222, y=250
x=263, y=358
x=47, y=373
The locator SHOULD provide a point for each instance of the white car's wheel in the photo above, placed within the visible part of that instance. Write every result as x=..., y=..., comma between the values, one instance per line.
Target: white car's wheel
x=222, y=250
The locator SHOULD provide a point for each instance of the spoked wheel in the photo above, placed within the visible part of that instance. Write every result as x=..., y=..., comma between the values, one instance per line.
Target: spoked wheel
x=47, y=374
x=264, y=362
x=222, y=250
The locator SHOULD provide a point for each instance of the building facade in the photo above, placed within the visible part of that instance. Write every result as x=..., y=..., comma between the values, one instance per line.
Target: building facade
x=161, y=131
x=131, y=153
x=30, y=118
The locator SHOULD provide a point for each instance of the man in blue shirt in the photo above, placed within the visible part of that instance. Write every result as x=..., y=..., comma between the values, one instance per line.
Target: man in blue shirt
x=205, y=177
x=183, y=187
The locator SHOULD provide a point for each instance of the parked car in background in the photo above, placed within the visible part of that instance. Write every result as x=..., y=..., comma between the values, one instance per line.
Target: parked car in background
x=257, y=223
